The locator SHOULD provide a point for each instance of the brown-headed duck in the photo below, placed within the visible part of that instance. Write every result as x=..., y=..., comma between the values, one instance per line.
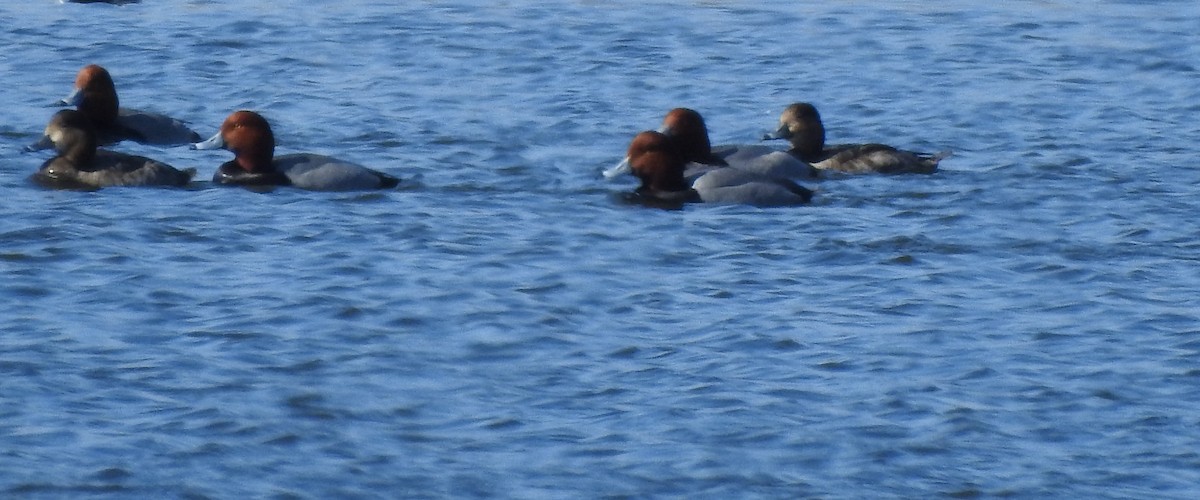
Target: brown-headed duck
x=659, y=162
x=800, y=124
x=248, y=135
x=95, y=95
x=687, y=129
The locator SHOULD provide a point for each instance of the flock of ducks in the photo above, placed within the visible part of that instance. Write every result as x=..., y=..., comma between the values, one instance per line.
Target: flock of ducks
x=98, y=119
x=676, y=163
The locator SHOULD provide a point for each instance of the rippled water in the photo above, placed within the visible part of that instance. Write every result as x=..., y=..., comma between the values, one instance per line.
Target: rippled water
x=1022, y=323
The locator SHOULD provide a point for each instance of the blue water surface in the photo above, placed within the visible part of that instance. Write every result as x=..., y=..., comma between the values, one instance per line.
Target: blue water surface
x=1023, y=323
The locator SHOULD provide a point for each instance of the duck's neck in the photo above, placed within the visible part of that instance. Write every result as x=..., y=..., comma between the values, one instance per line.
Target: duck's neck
x=256, y=160
x=809, y=143
x=99, y=108
x=233, y=173
x=77, y=146
x=694, y=146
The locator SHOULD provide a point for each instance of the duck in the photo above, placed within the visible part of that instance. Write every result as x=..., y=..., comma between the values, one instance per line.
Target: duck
x=248, y=135
x=659, y=162
x=686, y=127
x=801, y=125
x=95, y=95
x=80, y=165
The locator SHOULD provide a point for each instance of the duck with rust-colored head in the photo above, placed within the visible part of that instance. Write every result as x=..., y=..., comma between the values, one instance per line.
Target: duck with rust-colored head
x=801, y=124
x=80, y=165
x=659, y=162
x=248, y=135
x=95, y=96
x=687, y=129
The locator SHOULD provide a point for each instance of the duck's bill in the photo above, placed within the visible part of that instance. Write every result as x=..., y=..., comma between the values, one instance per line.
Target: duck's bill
x=44, y=143
x=780, y=133
x=620, y=169
x=74, y=99
x=214, y=142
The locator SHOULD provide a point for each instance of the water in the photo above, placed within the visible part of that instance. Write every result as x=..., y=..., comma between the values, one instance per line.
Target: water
x=1022, y=323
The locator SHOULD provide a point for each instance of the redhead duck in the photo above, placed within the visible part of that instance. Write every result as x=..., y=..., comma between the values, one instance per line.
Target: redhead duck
x=658, y=161
x=79, y=165
x=687, y=130
x=248, y=135
x=95, y=96
x=801, y=124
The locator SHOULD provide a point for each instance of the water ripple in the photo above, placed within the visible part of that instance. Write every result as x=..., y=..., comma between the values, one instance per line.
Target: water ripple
x=1019, y=324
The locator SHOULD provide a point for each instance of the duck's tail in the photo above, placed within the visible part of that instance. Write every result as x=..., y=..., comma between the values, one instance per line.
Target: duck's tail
x=388, y=181
x=936, y=158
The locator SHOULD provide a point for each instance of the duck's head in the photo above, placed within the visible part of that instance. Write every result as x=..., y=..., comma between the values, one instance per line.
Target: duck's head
x=801, y=125
x=95, y=95
x=72, y=135
x=248, y=135
x=657, y=161
x=687, y=129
